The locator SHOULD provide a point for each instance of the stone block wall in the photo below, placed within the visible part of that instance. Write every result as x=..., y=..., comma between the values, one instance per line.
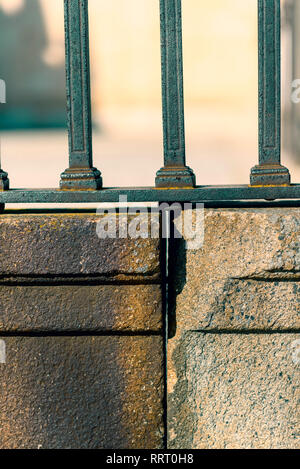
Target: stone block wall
x=234, y=351
x=81, y=342
x=81, y=334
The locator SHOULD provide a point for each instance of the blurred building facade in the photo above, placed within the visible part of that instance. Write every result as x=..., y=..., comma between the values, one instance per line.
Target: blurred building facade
x=35, y=89
x=291, y=75
x=219, y=51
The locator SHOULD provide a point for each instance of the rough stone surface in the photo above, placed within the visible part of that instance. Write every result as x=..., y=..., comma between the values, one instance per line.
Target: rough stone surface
x=80, y=308
x=67, y=244
x=234, y=312
x=246, y=275
x=236, y=391
x=81, y=348
x=81, y=392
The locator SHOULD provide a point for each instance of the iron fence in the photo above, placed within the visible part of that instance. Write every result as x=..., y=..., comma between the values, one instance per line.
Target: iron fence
x=175, y=181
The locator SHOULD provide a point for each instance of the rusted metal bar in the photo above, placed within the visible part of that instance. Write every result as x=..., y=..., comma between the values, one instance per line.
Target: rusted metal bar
x=151, y=194
x=81, y=175
x=174, y=173
x=4, y=181
x=269, y=171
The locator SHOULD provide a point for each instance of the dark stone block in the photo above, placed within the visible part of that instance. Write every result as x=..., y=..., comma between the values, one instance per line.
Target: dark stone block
x=67, y=244
x=81, y=392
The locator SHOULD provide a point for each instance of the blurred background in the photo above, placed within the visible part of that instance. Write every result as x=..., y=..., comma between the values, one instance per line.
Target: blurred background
x=220, y=74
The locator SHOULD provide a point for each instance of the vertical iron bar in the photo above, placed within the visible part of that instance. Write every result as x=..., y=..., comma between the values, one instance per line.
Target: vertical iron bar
x=269, y=171
x=4, y=181
x=175, y=173
x=81, y=175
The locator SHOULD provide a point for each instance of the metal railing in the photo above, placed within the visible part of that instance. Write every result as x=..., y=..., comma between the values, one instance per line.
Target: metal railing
x=175, y=181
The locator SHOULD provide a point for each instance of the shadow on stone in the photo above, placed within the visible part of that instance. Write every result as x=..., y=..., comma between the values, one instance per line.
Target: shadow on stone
x=176, y=275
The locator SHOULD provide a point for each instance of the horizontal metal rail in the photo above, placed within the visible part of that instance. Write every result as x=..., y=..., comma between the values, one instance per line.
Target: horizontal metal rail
x=152, y=194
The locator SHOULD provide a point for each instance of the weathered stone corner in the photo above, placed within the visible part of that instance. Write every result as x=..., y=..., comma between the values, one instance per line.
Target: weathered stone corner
x=233, y=371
